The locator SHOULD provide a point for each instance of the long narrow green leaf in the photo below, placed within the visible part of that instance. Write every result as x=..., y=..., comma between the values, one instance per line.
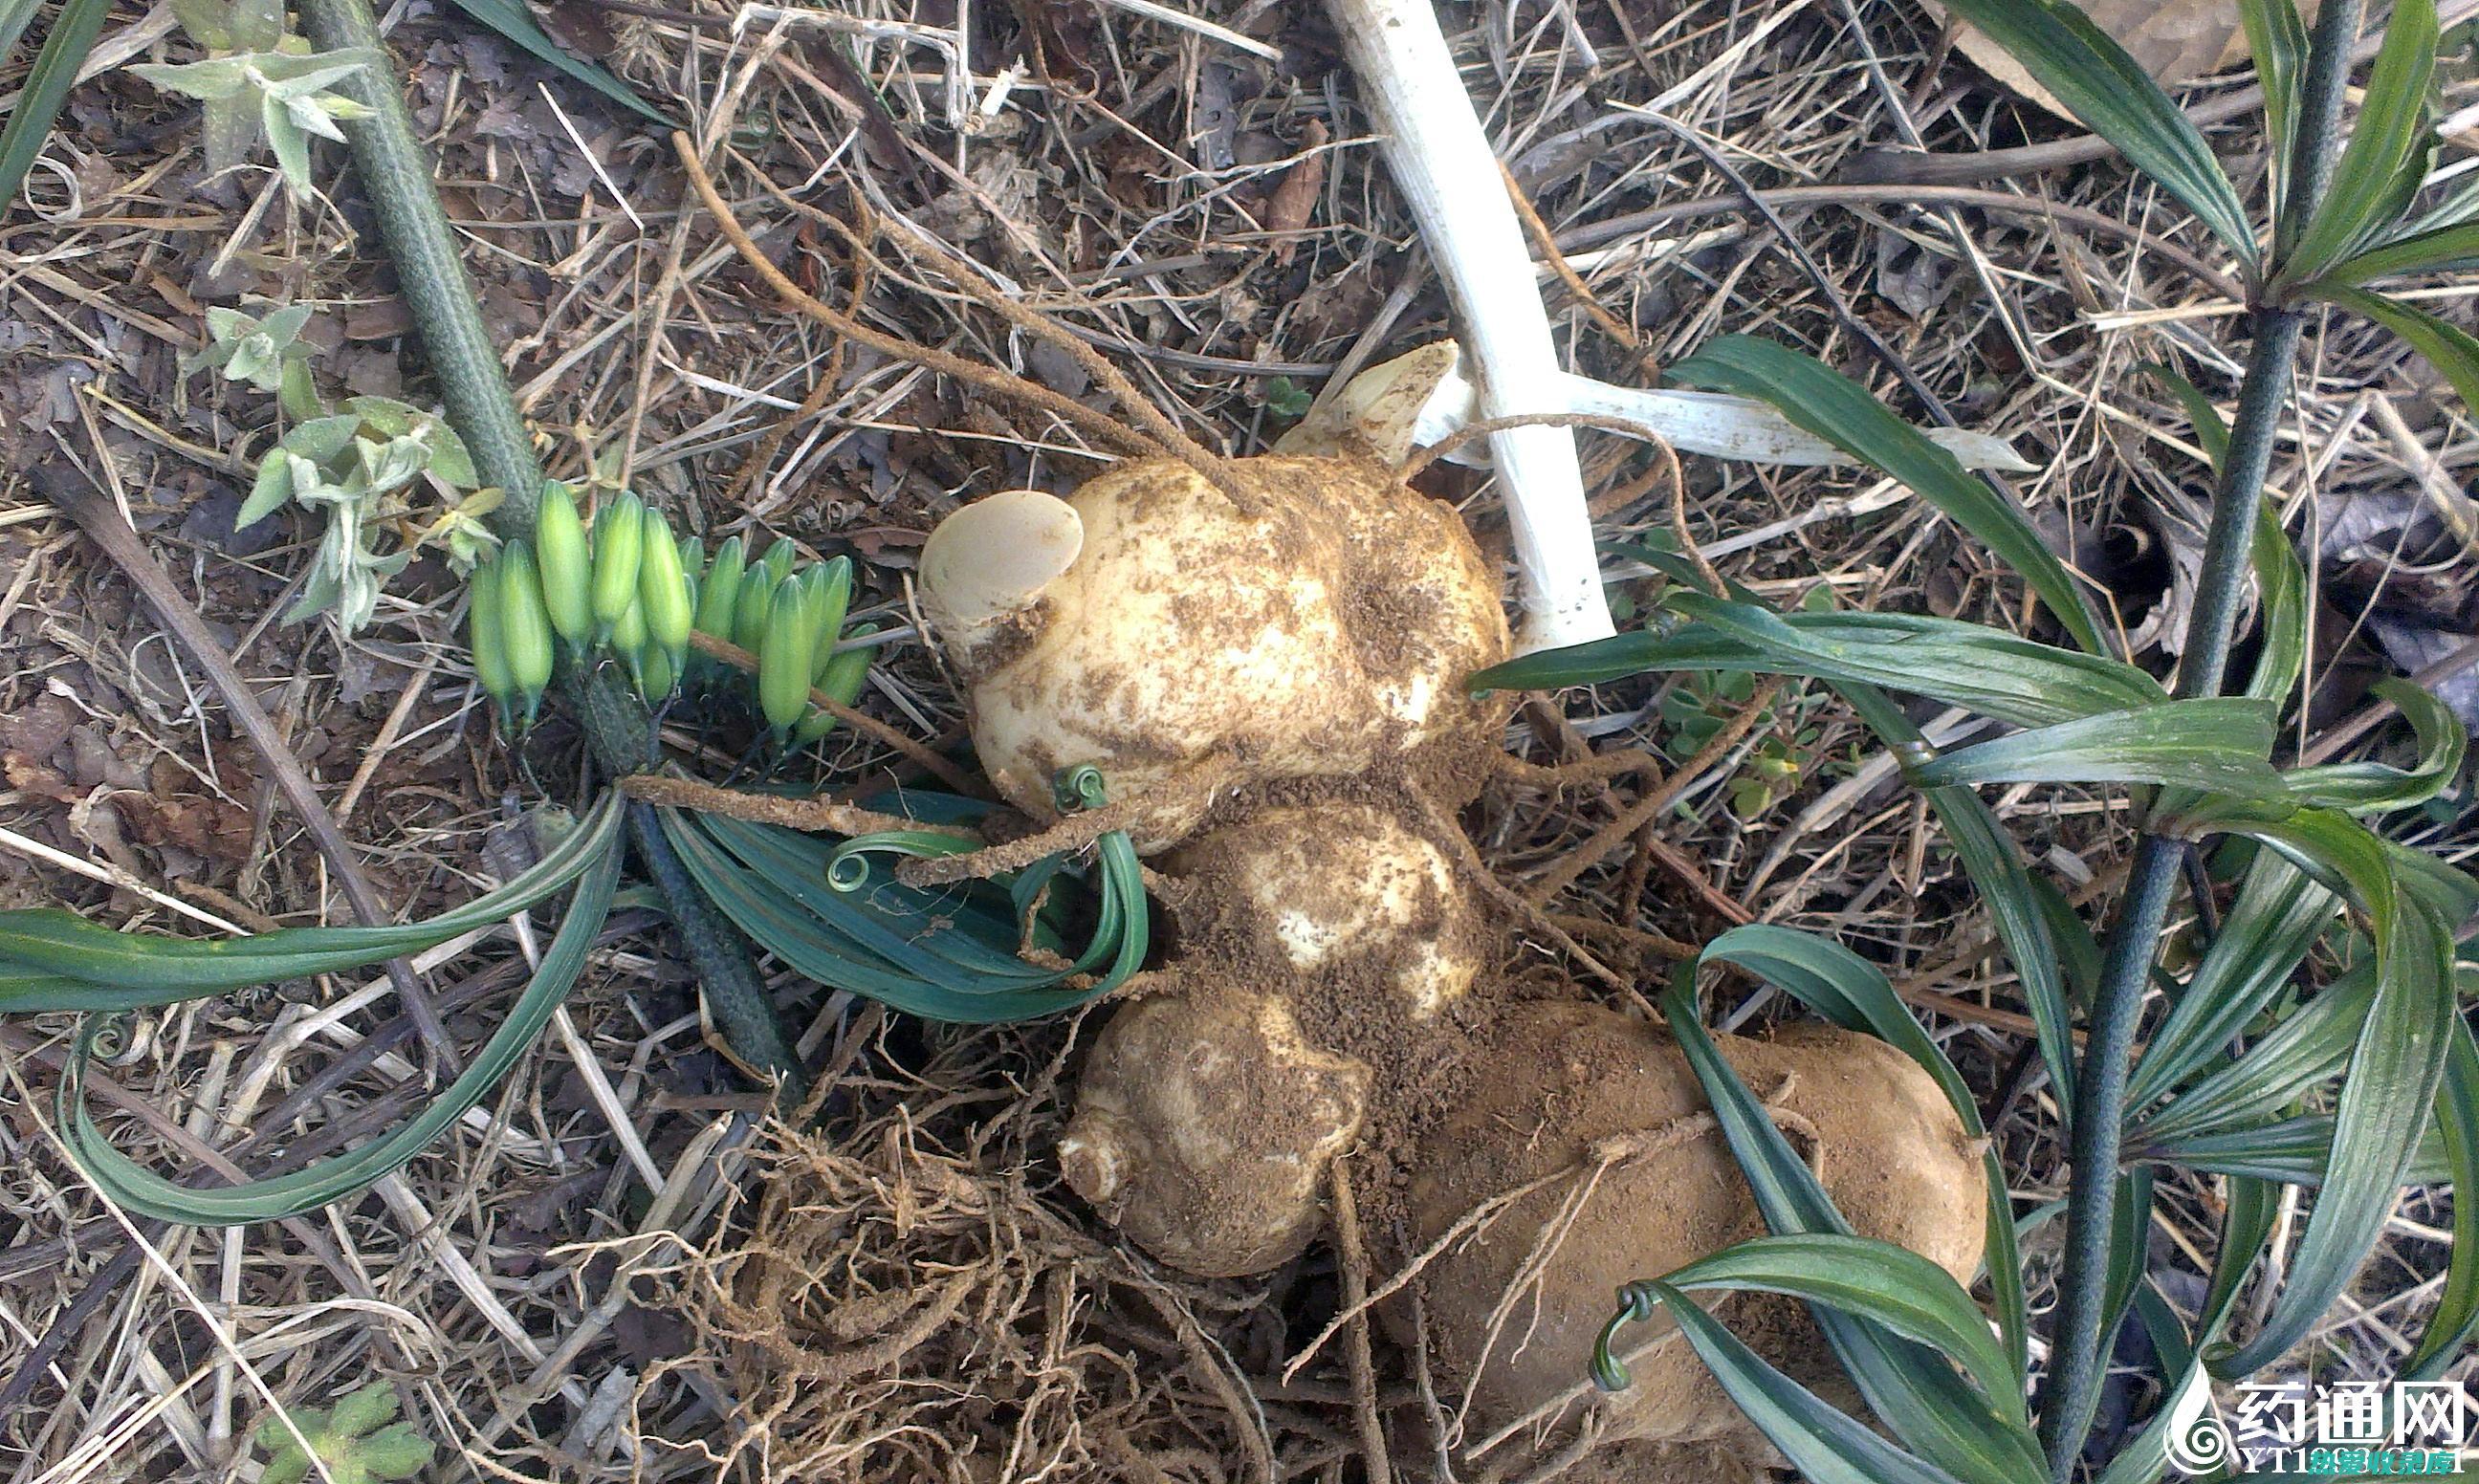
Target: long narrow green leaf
x=2362, y=788
x=1824, y=1445
x=2130, y=1246
x=2088, y=73
x=2388, y=1094
x=2278, y=916
x=2451, y=1328
x=2276, y=38
x=137, y=1189
x=1837, y=409
x=1876, y=1280
x=2305, y=1050
x=2283, y=581
x=2294, y=1151
x=1995, y=865
x=1914, y=1392
x=2218, y=744
x=948, y=955
x=2448, y=348
x=511, y=19
x=1960, y=664
x=45, y=952
x=74, y=28
x=2250, y=1210
x=2370, y=167
x=1855, y=994
x=2145, y=1460
x=2445, y=249
x=15, y=15
x=2212, y=429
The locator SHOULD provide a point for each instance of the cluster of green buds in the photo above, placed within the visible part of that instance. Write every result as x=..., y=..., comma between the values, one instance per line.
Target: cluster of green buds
x=626, y=587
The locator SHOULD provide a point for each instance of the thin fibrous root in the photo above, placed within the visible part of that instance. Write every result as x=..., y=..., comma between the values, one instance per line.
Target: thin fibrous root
x=997, y=383
x=1071, y=834
x=810, y=816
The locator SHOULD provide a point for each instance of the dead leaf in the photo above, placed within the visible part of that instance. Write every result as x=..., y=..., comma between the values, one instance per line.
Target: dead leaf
x=1288, y=212
x=2175, y=40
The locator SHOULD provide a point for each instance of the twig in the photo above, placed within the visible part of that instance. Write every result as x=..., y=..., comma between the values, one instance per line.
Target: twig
x=1613, y=836
x=101, y=520
x=956, y=367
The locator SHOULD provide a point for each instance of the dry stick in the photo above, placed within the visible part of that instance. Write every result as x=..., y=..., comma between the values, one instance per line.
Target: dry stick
x=1614, y=835
x=751, y=474
x=812, y=816
x=1150, y=419
x=938, y=767
x=1789, y=197
x=996, y=383
x=72, y=494
x=1378, y=1468
x=1859, y=329
x=1545, y=242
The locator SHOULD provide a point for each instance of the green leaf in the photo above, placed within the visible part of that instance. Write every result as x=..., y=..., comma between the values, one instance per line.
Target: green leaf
x=2276, y=38
x=74, y=28
x=15, y=15
x=2220, y=745
x=2362, y=787
x=138, y=1190
x=842, y=919
x=2388, y=1093
x=53, y=959
x=1913, y=1390
x=1824, y=1445
x=270, y=492
x=2088, y=73
x=1876, y=1281
x=2278, y=916
x=1834, y=407
x=1855, y=994
x=511, y=19
x=2389, y=128
x=292, y=147
x=2283, y=584
x=2251, y=1209
x=2294, y=1151
x=2304, y=1051
x=2444, y=249
x=217, y=77
x=2212, y=429
x=2449, y=349
x=1960, y=664
x=2451, y=1328
x=1989, y=856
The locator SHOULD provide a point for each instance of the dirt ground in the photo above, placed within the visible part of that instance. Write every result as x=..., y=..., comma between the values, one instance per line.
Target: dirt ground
x=627, y=1274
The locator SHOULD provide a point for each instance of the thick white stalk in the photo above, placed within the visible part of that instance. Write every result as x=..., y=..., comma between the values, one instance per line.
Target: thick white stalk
x=1443, y=165
x=1710, y=424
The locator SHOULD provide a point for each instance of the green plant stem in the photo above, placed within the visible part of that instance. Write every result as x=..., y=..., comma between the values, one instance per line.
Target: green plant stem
x=395, y=174
x=2083, y=1337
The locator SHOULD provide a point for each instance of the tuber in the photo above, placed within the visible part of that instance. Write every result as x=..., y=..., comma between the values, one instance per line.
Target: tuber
x=1153, y=627
x=1268, y=669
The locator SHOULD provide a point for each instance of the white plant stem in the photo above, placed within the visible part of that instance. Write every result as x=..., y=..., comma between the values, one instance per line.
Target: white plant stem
x=1710, y=424
x=1443, y=166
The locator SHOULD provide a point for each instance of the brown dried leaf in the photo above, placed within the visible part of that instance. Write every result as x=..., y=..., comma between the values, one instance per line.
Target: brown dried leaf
x=1288, y=211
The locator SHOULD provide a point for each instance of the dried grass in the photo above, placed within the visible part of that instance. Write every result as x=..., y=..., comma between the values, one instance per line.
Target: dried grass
x=900, y=1293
